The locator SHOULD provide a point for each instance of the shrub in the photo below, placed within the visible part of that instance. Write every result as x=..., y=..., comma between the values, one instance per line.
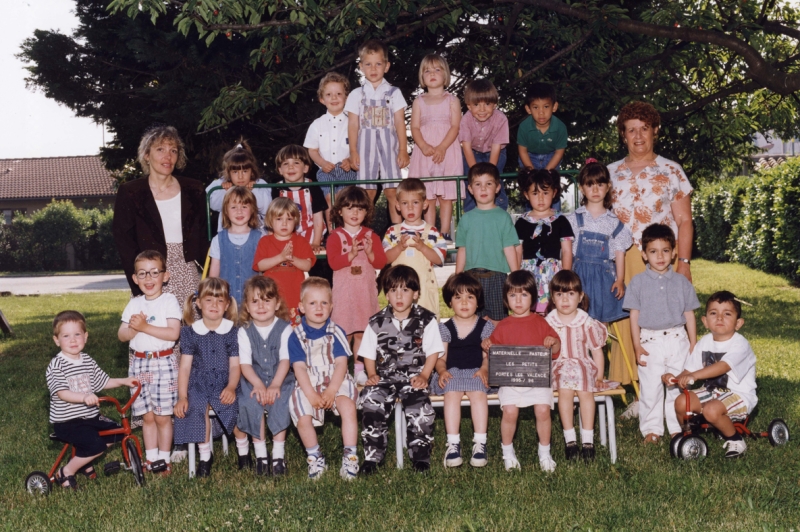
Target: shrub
x=715, y=207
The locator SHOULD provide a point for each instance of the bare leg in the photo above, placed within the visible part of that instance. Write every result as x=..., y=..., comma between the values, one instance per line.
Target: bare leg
x=391, y=201
x=508, y=424
x=445, y=214
x=716, y=414
x=164, y=427
x=565, y=406
x=150, y=431
x=479, y=408
x=76, y=463
x=347, y=409
x=308, y=434
x=544, y=425
x=239, y=434
x=452, y=412
x=371, y=192
x=587, y=406
x=356, y=338
x=328, y=213
x=430, y=213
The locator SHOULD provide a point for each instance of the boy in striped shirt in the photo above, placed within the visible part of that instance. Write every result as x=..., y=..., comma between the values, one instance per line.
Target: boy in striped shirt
x=73, y=378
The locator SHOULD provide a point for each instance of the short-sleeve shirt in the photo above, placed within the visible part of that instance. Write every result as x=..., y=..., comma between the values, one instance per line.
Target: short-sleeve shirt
x=646, y=198
x=483, y=135
x=328, y=134
x=80, y=376
x=298, y=354
x=431, y=339
x=605, y=224
x=526, y=330
x=555, y=138
x=435, y=239
x=158, y=311
x=485, y=233
x=544, y=243
x=286, y=274
x=737, y=353
x=353, y=104
x=309, y=200
x=661, y=299
x=246, y=350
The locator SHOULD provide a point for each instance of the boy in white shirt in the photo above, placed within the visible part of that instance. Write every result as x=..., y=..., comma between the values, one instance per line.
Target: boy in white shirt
x=725, y=360
x=152, y=324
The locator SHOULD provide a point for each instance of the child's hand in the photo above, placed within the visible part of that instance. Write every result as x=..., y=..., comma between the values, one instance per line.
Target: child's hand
x=640, y=352
x=418, y=383
x=316, y=400
x=138, y=321
x=227, y=396
x=260, y=393
x=427, y=149
x=372, y=381
x=180, y=408
x=130, y=382
x=668, y=378
x=366, y=245
x=445, y=377
x=328, y=167
x=486, y=345
x=686, y=379
x=226, y=185
x=273, y=393
x=438, y=154
x=250, y=185
x=317, y=248
x=91, y=399
x=549, y=341
x=483, y=375
x=405, y=241
x=328, y=398
x=355, y=161
x=402, y=159
x=345, y=164
x=417, y=242
x=618, y=289
x=286, y=254
x=599, y=384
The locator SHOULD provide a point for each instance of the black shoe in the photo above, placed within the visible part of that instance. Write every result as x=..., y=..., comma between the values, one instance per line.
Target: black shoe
x=571, y=451
x=245, y=462
x=262, y=466
x=204, y=468
x=368, y=467
x=588, y=452
x=278, y=467
x=422, y=467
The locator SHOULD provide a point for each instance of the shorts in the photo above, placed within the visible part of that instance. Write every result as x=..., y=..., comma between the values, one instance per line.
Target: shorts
x=734, y=404
x=159, y=379
x=82, y=433
x=522, y=397
x=300, y=406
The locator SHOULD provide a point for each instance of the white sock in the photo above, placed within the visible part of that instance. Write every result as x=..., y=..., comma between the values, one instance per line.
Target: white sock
x=243, y=446
x=508, y=450
x=544, y=451
x=569, y=435
x=205, y=451
x=587, y=436
x=454, y=438
x=278, y=449
x=164, y=455
x=350, y=449
x=479, y=437
x=260, y=447
x=313, y=451
x=151, y=455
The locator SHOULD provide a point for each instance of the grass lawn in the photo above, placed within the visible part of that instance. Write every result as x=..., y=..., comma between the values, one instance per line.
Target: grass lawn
x=646, y=489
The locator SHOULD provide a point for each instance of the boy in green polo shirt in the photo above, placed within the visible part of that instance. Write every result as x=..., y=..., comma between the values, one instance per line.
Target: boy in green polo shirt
x=542, y=137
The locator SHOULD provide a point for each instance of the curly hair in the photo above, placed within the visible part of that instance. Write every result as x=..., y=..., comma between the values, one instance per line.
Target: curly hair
x=637, y=111
x=333, y=77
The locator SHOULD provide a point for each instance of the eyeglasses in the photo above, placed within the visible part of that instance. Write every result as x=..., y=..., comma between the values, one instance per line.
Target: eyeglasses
x=152, y=273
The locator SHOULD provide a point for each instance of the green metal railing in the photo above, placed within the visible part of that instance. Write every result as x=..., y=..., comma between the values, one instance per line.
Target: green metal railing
x=571, y=174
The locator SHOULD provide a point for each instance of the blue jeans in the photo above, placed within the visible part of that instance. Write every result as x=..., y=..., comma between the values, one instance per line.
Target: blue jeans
x=480, y=157
x=540, y=161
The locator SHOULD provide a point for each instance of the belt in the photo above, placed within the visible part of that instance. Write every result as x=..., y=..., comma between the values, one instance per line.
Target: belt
x=153, y=354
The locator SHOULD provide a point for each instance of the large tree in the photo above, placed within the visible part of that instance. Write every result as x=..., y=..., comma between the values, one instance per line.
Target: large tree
x=717, y=69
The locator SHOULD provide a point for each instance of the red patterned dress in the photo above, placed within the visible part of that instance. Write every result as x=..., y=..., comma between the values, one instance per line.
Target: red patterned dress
x=574, y=369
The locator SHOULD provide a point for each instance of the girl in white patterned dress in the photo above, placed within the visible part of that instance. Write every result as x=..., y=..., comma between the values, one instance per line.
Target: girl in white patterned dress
x=575, y=371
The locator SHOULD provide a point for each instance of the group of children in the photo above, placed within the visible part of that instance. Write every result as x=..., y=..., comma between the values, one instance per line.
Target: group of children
x=275, y=339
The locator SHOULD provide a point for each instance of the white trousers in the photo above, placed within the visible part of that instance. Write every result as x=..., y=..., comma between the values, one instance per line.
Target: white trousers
x=668, y=350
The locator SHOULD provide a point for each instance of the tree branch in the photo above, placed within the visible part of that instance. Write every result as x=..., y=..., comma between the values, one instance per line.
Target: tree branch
x=736, y=88
x=554, y=57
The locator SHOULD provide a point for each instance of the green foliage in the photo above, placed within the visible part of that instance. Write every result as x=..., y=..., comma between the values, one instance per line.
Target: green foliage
x=715, y=207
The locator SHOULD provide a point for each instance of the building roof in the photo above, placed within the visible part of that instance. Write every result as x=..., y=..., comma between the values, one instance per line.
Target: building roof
x=55, y=177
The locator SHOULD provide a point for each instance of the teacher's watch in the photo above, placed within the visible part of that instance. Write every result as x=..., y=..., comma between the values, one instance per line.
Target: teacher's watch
x=687, y=261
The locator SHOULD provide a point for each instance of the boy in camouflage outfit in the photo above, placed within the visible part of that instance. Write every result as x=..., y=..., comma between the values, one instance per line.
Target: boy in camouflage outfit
x=399, y=348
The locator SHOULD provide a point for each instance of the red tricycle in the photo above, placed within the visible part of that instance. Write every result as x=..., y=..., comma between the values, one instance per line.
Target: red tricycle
x=689, y=445
x=39, y=482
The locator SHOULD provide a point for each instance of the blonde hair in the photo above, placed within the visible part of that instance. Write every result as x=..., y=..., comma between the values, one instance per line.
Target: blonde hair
x=240, y=157
x=245, y=197
x=373, y=46
x=430, y=60
x=412, y=185
x=480, y=91
x=315, y=282
x=333, y=77
x=158, y=135
x=214, y=287
x=280, y=206
x=260, y=287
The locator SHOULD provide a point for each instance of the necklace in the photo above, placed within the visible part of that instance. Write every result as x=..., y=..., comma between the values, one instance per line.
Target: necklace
x=156, y=191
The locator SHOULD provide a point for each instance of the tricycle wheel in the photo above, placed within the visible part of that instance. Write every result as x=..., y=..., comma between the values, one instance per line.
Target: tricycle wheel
x=111, y=468
x=135, y=462
x=674, y=443
x=38, y=483
x=692, y=448
x=778, y=432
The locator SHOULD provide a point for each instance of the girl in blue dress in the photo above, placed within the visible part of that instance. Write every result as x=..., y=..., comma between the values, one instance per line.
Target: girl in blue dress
x=209, y=368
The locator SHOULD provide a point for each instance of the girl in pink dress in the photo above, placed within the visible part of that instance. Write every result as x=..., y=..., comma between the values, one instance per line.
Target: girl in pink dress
x=575, y=371
x=355, y=254
x=435, y=120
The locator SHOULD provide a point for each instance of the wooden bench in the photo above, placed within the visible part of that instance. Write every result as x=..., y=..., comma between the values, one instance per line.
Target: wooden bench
x=605, y=406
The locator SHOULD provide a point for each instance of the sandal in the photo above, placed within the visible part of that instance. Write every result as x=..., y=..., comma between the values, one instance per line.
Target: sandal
x=652, y=439
x=88, y=471
x=65, y=481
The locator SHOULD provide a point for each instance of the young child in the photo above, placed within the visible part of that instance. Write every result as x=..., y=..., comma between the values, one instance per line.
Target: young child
x=209, y=368
x=727, y=364
x=542, y=137
x=463, y=368
x=237, y=242
x=600, y=244
x=239, y=169
x=293, y=163
x=284, y=255
x=73, y=378
x=318, y=351
x=435, y=119
x=377, y=124
x=151, y=323
x=574, y=371
x=415, y=242
x=483, y=134
x=400, y=348
x=545, y=236
x=326, y=139
x=266, y=383
x=524, y=327
x=663, y=328
x=355, y=254
x=486, y=240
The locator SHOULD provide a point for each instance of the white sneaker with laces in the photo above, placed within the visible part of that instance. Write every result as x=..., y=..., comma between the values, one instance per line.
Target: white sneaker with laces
x=547, y=464
x=349, y=469
x=316, y=466
x=452, y=455
x=511, y=462
x=735, y=448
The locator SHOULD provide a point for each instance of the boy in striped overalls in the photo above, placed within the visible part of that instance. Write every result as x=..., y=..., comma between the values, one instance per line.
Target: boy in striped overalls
x=377, y=125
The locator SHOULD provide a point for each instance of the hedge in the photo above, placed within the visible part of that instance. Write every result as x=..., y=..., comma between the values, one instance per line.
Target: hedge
x=752, y=220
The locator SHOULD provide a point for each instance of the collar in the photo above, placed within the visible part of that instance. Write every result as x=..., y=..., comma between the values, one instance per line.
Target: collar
x=653, y=275
x=382, y=87
x=341, y=116
x=308, y=327
x=547, y=221
x=69, y=359
x=388, y=312
x=224, y=328
x=556, y=322
x=624, y=165
x=609, y=213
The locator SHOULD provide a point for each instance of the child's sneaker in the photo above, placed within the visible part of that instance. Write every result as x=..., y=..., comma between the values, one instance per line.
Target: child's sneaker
x=511, y=462
x=547, y=464
x=179, y=454
x=588, y=452
x=479, y=457
x=736, y=448
x=316, y=466
x=571, y=451
x=245, y=462
x=278, y=467
x=262, y=466
x=422, y=467
x=452, y=456
x=368, y=468
x=349, y=469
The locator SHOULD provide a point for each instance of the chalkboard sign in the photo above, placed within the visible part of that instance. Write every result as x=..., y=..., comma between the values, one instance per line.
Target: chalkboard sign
x=523, y=366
